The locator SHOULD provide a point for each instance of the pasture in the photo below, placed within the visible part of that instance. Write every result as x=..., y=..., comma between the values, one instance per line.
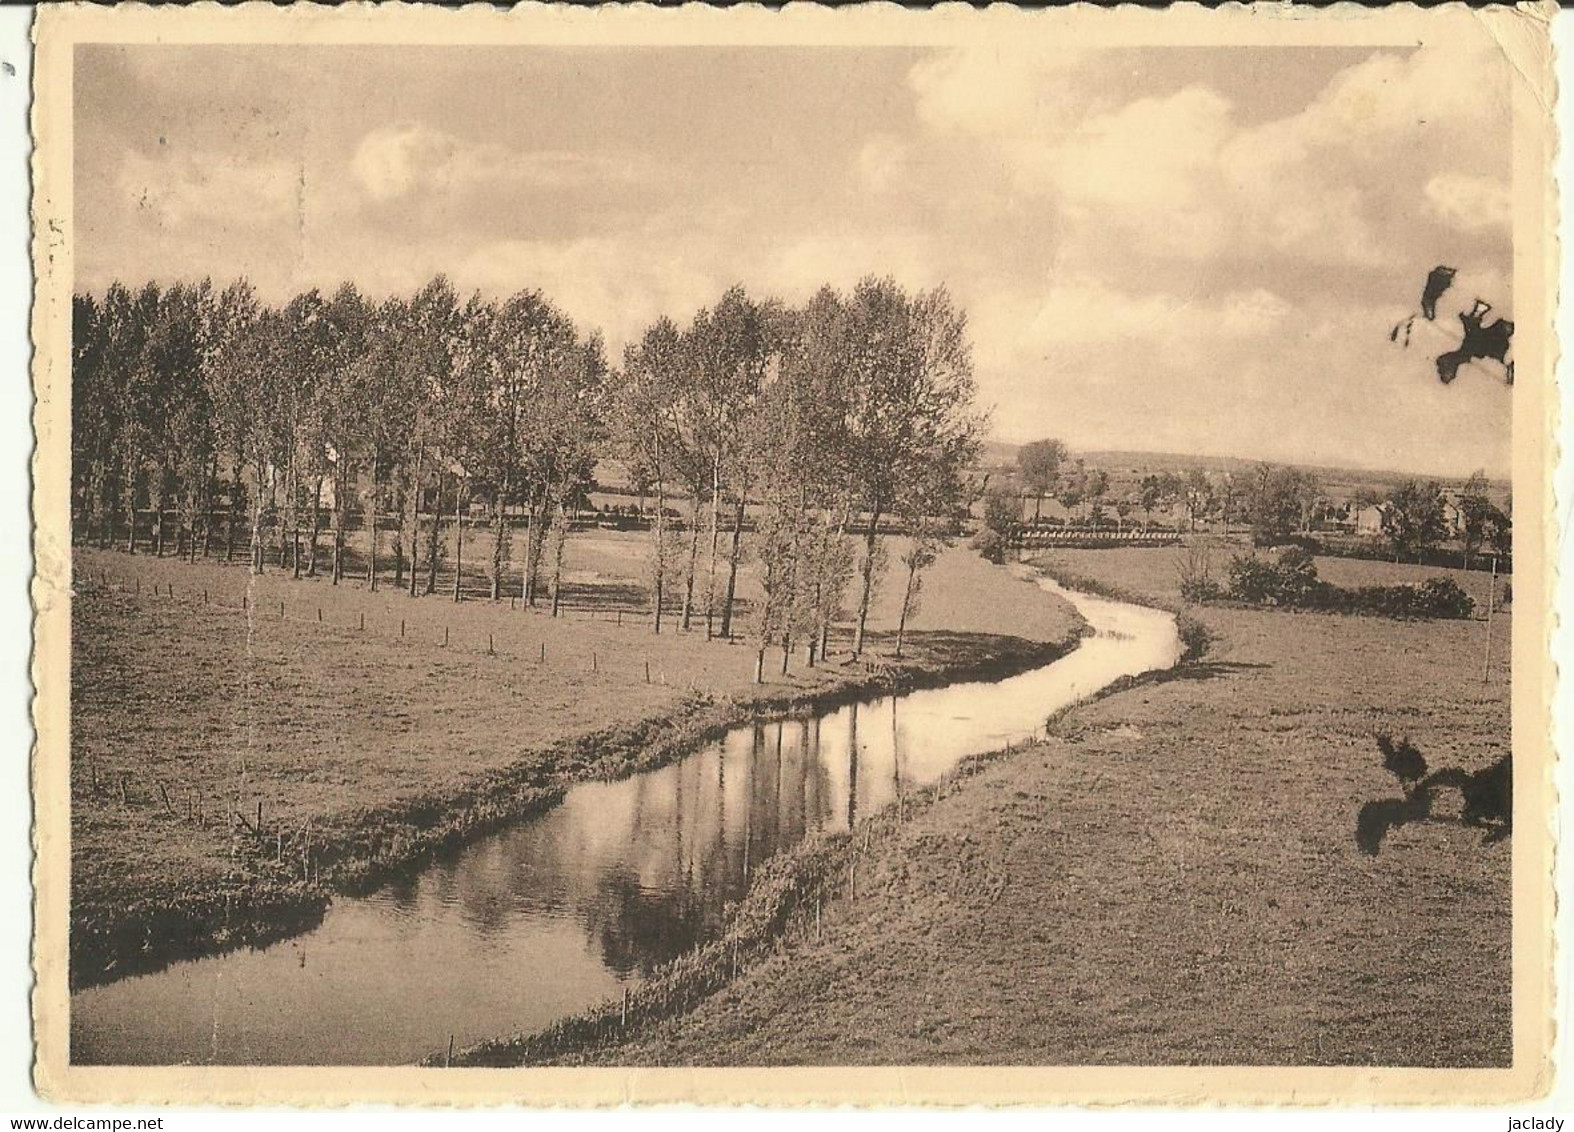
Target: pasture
x=1172, y=877
x=359, y=719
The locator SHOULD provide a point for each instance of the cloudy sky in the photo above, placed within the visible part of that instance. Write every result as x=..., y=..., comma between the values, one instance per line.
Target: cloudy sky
x=1170, y=249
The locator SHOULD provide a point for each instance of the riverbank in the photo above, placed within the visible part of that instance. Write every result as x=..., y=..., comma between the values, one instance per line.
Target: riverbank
x=1171, y=877
x=371, y=749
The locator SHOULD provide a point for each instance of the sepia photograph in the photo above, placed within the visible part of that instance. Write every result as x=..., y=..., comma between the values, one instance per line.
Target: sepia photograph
x=794, y=542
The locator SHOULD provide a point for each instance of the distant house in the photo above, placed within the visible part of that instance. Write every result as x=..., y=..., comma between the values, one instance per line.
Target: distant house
x=1369, y=519
x=1453, y=516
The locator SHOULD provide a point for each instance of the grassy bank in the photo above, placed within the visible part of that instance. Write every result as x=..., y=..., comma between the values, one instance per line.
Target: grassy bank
x=1172, y=877
x=369, y=749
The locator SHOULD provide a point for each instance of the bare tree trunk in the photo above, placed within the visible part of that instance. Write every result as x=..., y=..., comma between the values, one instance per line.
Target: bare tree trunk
x=535, y=544
x=498, y=534
x=316, y=528
x=338, y=518
x=661, y=549
x=907, y=602
x=432, y=541
x=128, y=491
x=207, y=505
x=694, y=557
x=295, y=516
x=234, y=514
x=868, y=579
x=415, y=517
x=256, y=529
x=559, y=537
x=371, y=526
x=459, y=537
x=732, y=565
x=715, y=537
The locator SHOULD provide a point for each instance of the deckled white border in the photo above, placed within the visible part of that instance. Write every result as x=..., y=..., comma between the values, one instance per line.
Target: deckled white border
x=1178, y=1086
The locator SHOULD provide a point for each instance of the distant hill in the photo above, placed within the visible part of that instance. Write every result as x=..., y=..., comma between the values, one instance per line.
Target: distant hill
x=999, y=454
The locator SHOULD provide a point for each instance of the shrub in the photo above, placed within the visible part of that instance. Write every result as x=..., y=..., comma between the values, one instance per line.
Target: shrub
x=1195, y=638
x=1253, y=580
x=1196, y=576
x=991, y=544
x=1444, y=597
x=1295, y=575
x=1292, y=582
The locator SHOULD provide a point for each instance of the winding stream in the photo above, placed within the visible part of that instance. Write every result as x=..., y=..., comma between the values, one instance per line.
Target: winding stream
x=565, y=909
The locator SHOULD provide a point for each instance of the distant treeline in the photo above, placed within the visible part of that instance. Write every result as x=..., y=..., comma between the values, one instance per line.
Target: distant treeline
x=192, y=402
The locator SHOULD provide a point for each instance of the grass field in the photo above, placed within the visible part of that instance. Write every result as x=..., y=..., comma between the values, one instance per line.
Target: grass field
x=367, y=739
x=1172, y=876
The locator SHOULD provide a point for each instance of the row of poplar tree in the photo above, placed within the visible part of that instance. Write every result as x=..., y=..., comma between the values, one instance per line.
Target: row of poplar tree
x=826, y=423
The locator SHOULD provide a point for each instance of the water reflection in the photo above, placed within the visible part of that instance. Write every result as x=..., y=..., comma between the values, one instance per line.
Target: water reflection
x=566, y=909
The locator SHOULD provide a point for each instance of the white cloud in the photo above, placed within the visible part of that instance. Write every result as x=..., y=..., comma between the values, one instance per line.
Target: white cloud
x=395, y=161
x=1468, y=202
x=209, y=188
x=883, y=163
x=992, y=93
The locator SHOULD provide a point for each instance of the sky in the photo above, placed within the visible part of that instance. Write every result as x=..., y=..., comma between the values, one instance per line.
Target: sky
x=1195, y=250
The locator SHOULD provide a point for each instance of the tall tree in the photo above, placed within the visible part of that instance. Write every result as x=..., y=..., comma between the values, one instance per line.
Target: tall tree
x=1039, y=464
x=1475, y=513
x=911, y=406
x=1414, y=519
x=645, y=432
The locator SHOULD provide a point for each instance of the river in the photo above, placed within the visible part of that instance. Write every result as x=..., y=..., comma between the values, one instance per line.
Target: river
x=565, y=909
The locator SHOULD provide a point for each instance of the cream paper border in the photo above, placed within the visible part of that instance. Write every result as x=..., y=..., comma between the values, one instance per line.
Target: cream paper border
x=1523, y=35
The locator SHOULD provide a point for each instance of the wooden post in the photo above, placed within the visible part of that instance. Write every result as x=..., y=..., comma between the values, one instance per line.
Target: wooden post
x=204, y=597
x=449, y=1060
x=363, y=621
x=281, y=611
x=620, y=617
x=244, y=604
x=593, y=661
x=445, y=636
x=319, y=615
x=543, y=652
x=647, y=672
x=625, y=1021
x=489, y=649
x=259, y=817
x=401, y=627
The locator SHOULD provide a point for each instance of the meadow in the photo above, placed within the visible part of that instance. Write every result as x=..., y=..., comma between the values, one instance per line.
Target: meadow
x=1172, y=876
x=243, y=746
